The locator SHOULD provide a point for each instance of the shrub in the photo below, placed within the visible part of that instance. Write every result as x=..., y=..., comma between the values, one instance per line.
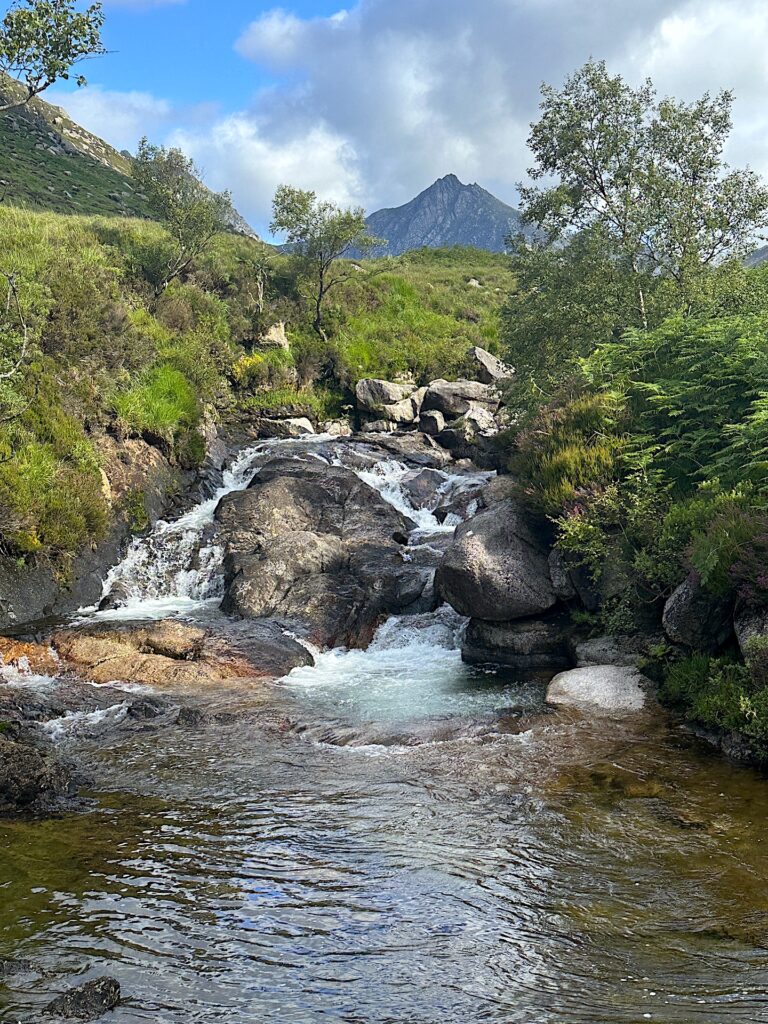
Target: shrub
x=160, y=402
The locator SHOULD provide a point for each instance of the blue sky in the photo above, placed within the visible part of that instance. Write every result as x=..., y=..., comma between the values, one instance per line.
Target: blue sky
x=368, y=101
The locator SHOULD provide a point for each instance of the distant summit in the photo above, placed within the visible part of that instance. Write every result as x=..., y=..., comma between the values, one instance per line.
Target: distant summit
x=447, y=213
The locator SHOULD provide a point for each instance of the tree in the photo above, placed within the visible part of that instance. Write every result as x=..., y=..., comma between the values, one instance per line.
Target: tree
x=319, y=234
x=42, y=40
x=192, y=213
x=650, y=173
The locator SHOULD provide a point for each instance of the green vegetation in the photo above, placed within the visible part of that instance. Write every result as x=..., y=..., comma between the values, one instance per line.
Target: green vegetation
x=643, y=431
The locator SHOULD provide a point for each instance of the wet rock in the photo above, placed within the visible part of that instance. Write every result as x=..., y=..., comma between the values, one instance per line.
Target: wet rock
x=528, y=646
x=33, y=657
x=697, y=619
x=89, y=1001
x=315, y=543
x=285, y=428
x=32, y=777
x=432, y=422
x=487, y=368
x=497, y=567
x=455, y=399
x=371, y=395
x=608, y=688
x=422, y=487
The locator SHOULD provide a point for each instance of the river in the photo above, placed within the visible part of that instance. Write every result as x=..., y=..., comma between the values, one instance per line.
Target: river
x=389, y=836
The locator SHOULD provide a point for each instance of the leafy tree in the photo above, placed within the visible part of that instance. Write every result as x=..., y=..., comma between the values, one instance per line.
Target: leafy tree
x=42, y=40
x=319, y=233
x=192, y=213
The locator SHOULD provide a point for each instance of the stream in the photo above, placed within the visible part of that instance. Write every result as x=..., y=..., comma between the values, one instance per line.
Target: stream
x=388, y=836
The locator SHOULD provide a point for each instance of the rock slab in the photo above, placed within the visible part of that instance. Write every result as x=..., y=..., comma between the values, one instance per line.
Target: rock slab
x=608, y=688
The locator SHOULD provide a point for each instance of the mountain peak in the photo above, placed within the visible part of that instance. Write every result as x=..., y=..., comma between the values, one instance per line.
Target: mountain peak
x=445, y=214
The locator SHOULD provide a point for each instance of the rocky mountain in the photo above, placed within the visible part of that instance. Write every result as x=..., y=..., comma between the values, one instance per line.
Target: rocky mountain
x=48, y=161
x=448, y=213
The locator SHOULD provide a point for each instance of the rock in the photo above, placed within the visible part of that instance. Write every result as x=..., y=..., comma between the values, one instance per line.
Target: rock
x=315, y=543
x=696, y=619
x=379, y=427
x=473, y=283
x=751, y=627
x=529, y=646
x=275, y=337
x=605, y=687
x=337, y=428
x=28, y=657
x=497, y=567
x=562, y=583
x=457, y=398
x=621, y=651
x=285, y=428
x=488, y=368
x=172, y=654
x=432, y=422
x=32, y=777
x=372, y=395
x=89, y=1001
x=422, y=487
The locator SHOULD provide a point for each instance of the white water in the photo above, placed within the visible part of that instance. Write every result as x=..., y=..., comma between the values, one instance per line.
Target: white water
x=168, y=572
x=21, y=675
x=78, y=723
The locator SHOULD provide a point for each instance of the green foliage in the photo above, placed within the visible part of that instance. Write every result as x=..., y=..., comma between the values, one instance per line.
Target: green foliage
x=159, y=402
x=41, y=41
x=135, y=509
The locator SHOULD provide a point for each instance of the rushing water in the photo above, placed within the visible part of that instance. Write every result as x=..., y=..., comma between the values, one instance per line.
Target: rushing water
x=392, y=836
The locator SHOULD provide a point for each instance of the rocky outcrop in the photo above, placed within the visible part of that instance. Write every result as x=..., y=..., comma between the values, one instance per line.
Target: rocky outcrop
x=497, y=567
x=456, y=398
x=697, y=619
x=530, y=645
x=315, y=543
x=487, y=367
x=600, y=688
x=89, y=1001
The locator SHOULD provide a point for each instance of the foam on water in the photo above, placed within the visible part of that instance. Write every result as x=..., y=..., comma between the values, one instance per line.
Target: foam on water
x=78, y=723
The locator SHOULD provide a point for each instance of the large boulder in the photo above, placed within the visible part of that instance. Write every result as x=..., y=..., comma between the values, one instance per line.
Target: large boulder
x=606, y=688
x=284, y=429
x=487, y=367
x=372, y=395
x=530, y=645
x=455, y=399
x=497, y=567
x=315, y=543
x=431, y=422
x=697, y=619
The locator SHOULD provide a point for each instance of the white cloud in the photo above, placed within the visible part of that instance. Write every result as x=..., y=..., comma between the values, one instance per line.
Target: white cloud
x=119, y=117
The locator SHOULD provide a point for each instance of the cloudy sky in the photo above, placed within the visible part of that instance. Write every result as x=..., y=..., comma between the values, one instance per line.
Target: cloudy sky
x=371, y=102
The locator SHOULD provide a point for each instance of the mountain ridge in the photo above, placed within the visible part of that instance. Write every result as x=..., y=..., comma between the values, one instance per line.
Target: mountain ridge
x=445, y=214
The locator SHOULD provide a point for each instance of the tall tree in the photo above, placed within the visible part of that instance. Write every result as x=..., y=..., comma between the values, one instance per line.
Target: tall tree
x=42, y=40
x=319, y=233
x=192, y=213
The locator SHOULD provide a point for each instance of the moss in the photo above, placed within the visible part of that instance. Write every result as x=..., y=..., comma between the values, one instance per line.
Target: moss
x=135, y=509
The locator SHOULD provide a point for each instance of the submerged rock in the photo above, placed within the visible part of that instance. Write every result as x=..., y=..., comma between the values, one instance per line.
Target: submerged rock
x=32, y=777
x=497, y=567
x=89, y=1001
x=697, y=619
x=604, y=687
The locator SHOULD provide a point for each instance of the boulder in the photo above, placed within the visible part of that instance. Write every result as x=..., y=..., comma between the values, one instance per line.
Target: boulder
x=32, y=777
x=751, y=628
x=560, y=576
x=608, y=688
x=455, y=399
x=497, y=567
x=488, y=368
x=610, y=650
x=379, y=427
x=697, y=619
x=285, y=428
x=337, y=428
x=315, y=543
x=422, y=487
x=432, y=422
x=88, y=1001
x=372, y=395
x=531, y=645
x=275, y=337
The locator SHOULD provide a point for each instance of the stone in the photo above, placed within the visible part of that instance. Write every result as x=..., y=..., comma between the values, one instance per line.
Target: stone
x=560, y=576
x=372, y=394
x=32, y=778
x=28, y=657
x=751, y=627
x=697, y=619
x=531, y=645
x=88, y=1001
x=488, y=368
x=379, y=427
x=285, y=428
x=422, y=487
x=607, y=688
x=432, y=422
x=497, y=567
x=337, y=428
x=275, y=337
x=315, y=543
x=455, y=399
x=622, y=651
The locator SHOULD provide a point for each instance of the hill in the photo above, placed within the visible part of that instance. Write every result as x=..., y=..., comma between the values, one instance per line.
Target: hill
x=446, y=214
